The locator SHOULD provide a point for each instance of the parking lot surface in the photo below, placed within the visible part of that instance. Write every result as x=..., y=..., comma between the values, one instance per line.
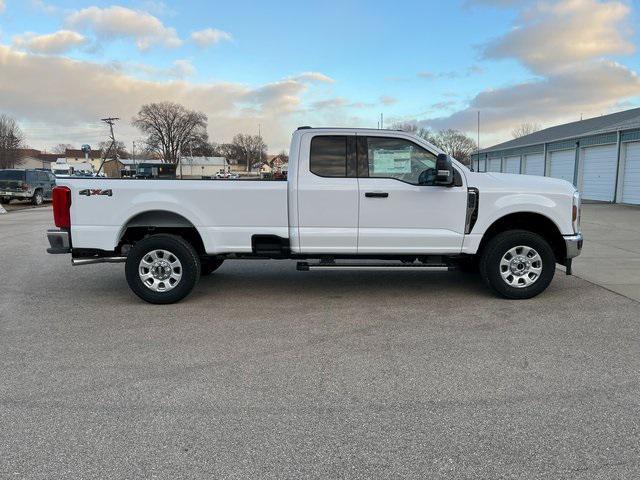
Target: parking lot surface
x=266, y=372
x=611, y=256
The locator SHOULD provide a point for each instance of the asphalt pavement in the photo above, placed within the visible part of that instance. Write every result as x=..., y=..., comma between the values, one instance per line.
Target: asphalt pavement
x=266, y=372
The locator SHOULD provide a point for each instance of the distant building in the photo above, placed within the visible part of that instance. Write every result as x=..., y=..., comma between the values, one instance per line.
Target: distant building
x=600, y=156
x=197, y=167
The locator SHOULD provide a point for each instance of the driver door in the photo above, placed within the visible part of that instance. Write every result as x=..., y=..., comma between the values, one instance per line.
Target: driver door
x=400, y=209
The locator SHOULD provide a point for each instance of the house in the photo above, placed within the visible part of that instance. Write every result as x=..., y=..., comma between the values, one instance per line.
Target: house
x=32, y=158
x=75, y=156
x=265, y=168
x=600, y=156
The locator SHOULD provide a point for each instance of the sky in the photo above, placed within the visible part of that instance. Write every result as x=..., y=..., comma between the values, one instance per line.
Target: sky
x=271, y=66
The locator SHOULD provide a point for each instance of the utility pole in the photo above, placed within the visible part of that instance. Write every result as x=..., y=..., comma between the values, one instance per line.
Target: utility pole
x=109, y=121
x=478, y=145
x=381, y=121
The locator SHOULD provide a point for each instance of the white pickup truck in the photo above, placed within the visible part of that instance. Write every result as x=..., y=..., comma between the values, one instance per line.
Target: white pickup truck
x=354, y=198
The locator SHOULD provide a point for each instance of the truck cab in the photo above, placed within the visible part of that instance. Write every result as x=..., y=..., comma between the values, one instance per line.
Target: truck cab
x=354, y=198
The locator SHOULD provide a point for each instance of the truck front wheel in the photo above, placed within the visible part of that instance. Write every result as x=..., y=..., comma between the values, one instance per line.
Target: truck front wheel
x=517, y=264
x=162, y=268
x=209, y=265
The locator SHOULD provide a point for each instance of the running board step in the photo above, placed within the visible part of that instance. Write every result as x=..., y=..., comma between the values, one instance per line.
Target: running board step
x=305, y=266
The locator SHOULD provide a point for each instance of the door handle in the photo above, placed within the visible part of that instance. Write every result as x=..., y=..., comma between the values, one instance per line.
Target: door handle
x=376, y=194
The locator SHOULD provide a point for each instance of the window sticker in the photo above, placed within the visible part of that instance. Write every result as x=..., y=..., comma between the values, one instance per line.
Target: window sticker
x=390, y=163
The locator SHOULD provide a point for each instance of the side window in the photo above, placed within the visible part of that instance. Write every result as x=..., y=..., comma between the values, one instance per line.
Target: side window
x=400, y=159
x=31, y=177
x=328, y=157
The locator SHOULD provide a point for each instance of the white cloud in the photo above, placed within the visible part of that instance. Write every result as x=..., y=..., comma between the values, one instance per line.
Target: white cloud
x=550, y=35
x=79, y=93
x=182, y=68
x=564, y=43
x=209, y=36
x=388, y=100
x=2, y=6
x=44, y=7
x=52, y=43
x=120, y=22
x=591, y=89
x=312, y=77
x=179, y=69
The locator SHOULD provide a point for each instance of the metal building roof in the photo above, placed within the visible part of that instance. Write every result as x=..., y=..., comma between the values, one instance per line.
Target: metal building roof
x=606, y=123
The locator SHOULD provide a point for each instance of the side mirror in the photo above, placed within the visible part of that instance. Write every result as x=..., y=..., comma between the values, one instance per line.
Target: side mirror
x=444, y=170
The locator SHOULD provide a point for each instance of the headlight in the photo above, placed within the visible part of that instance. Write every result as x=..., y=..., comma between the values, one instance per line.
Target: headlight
x=576, y=212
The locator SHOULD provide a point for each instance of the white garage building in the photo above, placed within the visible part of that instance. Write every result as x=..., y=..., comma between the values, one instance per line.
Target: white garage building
x=600, y=156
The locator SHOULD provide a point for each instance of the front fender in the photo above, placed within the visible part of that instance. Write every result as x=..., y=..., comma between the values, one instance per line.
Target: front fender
x=494, y=207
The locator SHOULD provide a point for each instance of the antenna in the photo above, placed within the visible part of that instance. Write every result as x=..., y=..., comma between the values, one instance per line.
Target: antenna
x=109, y=121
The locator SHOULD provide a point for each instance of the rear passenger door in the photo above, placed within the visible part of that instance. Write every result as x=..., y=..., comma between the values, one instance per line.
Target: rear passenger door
x=327, y=194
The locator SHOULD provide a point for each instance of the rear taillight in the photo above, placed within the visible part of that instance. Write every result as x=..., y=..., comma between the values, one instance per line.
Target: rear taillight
x=61, y=198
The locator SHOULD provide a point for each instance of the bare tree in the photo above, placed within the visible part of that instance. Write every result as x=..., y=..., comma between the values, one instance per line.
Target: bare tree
x=199, y=146
x=526, y=128
x=455, y=143
x=118, y=149
x=11, y=141
x=409, y=127
x=61, y=148
x=169, y=127
x=251, y=149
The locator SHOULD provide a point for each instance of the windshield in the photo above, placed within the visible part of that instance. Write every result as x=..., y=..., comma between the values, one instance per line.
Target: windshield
x=12, y=175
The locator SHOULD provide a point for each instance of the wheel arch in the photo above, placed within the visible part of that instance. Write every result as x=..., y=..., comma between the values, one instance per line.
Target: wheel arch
x=151, y=222
x=533, y=222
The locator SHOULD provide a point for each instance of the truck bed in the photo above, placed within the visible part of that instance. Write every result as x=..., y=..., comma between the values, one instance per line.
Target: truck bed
x=225, y=212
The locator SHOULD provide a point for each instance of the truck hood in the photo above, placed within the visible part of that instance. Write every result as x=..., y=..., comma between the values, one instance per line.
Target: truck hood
x=516, y=183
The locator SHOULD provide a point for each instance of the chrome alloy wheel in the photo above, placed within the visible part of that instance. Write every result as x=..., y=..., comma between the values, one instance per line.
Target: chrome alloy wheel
x=160, y=270
x=521, y=267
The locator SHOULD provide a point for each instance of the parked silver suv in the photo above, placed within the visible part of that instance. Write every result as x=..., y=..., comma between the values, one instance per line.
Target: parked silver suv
x=26, y=184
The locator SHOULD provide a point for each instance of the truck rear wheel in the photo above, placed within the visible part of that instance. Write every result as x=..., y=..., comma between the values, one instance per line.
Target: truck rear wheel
x=37, y=198
x=162, y=268
x=517, y=264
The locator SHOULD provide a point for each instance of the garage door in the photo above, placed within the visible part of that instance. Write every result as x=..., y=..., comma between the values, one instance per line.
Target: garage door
x=512, y=165
x=631, y=180
x=599, y=169
x=562, y=164
x=493, y=164
x=534, y=164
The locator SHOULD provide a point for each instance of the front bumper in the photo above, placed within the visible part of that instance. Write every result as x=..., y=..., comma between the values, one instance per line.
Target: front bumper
x=59, y=240
x=574, y=245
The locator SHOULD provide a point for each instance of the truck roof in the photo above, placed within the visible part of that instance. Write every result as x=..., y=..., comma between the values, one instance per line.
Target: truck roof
x=307, y=127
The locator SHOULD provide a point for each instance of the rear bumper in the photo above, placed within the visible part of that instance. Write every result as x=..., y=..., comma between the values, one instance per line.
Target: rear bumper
x=574, y=245
x=59, y=240
x=12, y=194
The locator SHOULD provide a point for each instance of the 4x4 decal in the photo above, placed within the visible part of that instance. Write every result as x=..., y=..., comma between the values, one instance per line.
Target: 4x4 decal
x=95, y=191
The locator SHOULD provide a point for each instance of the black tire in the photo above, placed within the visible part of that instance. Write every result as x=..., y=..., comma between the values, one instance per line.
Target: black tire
x=5, y=200
x=178, y=247
x=470, y=265
x=210, y=265
x=498, y=246
x=37, y=198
